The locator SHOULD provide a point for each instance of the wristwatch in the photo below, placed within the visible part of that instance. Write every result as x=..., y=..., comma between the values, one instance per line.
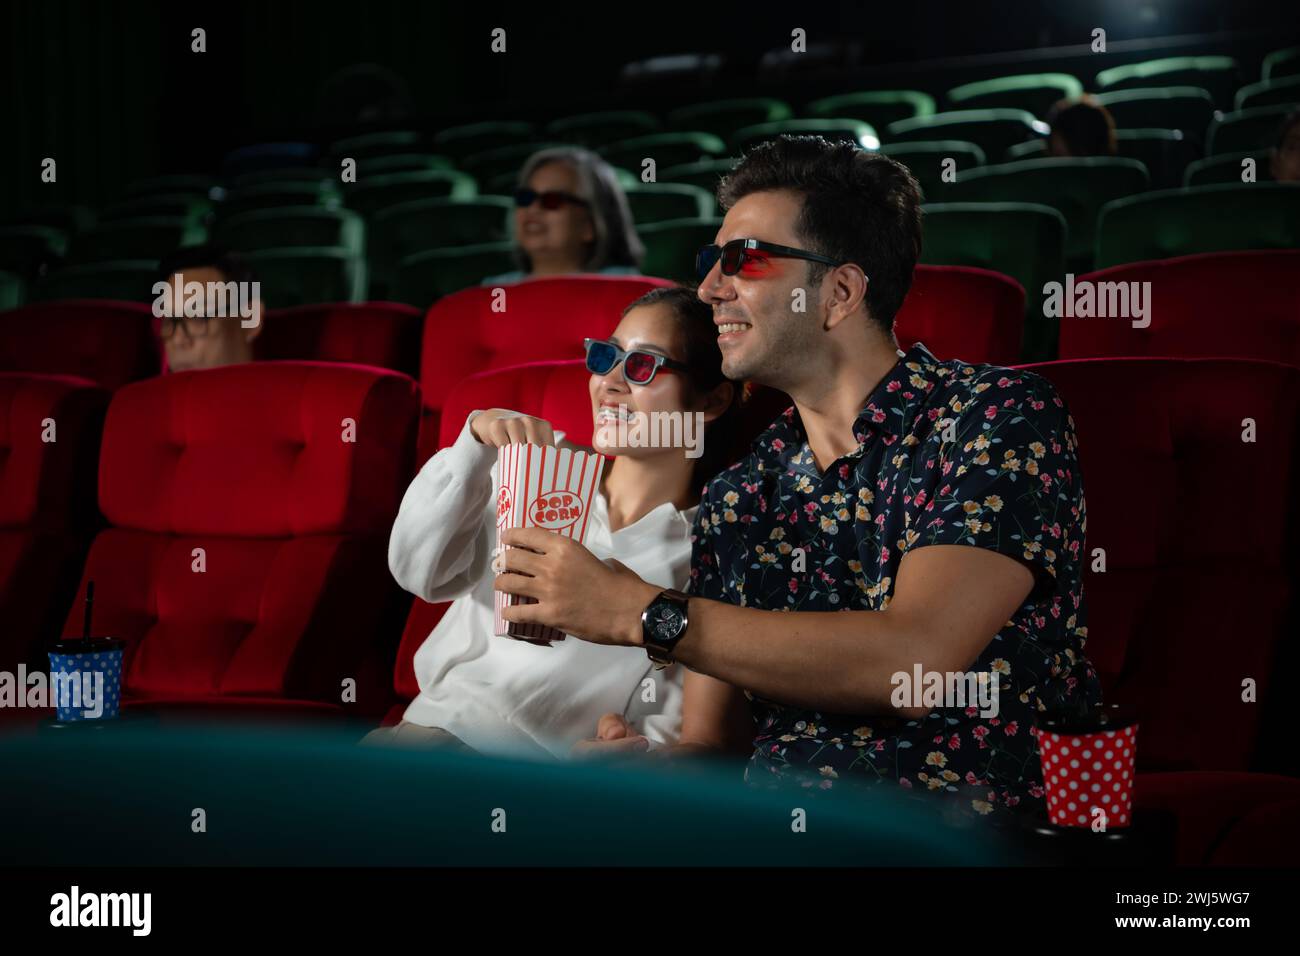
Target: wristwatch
x=663, y=625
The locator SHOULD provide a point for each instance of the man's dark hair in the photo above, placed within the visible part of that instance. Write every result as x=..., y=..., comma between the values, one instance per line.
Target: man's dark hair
x=230, y=264
x=703, y=361
x=858, y=207
x=1085, y=125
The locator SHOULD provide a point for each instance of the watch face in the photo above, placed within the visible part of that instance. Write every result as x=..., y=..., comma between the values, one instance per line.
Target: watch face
x=666, y=621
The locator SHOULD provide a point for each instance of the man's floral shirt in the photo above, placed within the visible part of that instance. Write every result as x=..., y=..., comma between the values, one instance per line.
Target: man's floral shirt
x=949, y=454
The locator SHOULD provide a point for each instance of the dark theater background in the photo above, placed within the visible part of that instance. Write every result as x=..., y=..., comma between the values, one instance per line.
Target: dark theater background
x=128, y=136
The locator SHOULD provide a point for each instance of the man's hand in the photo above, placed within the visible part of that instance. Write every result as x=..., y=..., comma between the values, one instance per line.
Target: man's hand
x=614, y=738
x=575, y=591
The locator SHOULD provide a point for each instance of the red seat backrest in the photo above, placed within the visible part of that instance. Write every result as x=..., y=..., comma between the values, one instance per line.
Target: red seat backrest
x=960, y=312
x=492, y=327
x=1197, y=528
x=250, y=508
x=110, y=343
x=383, y=334
x=50, y=427
x=1240, y=304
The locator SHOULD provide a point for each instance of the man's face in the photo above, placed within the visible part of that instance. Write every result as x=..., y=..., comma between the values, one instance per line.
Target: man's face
x=761, y=337
x=195, y=343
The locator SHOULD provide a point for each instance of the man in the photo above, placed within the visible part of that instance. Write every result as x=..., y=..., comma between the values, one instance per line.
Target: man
x=210, y=309
x=1284, y=157
x=1081, y=127
x=908, y=514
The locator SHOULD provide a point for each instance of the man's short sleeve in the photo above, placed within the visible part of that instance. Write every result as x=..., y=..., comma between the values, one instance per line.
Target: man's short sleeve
x=1010, y=480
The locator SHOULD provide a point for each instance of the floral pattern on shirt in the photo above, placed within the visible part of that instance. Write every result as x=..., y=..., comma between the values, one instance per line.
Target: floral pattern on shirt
x=948, y=453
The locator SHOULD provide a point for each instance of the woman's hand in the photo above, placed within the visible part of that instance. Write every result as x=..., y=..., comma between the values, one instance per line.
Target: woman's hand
x=501, y=426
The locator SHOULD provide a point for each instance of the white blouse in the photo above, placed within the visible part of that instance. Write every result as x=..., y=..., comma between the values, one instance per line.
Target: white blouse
x=507, y=697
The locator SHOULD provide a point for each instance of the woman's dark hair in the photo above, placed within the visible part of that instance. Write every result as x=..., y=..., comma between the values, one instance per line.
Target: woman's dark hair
x=1084, y=125
x=858, y=207
x=703, y=359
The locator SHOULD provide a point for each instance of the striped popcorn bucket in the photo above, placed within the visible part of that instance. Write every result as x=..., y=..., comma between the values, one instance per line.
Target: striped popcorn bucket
x=542, y=487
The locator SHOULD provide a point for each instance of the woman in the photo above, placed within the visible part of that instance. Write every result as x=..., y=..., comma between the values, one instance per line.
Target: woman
x=571, y=216
x=512, y=698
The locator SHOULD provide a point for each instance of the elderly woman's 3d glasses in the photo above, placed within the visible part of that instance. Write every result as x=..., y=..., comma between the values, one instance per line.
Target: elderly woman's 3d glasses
x=550, y=199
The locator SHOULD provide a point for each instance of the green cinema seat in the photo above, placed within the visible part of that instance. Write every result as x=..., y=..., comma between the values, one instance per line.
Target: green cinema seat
x=1185, y=108
x=308, y=275
x=1281, y=63
x=290, y=227
x=427, y=224
x=278, y=195
x=30, y=250
x=171, y=184
x=1025, y=241
x=837, y=130
x=994, y=131
x=926, y=160
x=12, y=290
x=1029, y=149
x=372, y=194
x=705, y=173
x=470, y=138
x=1220, y=75
x=724, y=117
x=486, y=166
x=1284, y=91
x=401, y=163
x=1166, y=153
x=370, y=145
x=1182, y=222
x=315, y=175
x=1076, y=188
x=666, y=149
x=423, y=278
x=1245, y=130
x=1226, y=168
x=670, y=246
x=1034, y=93
x=68, y=219
x=129, y=280
x=601, y=128
x=879, y=108
x=153, y=237
x=194, y=208
x=659, y=202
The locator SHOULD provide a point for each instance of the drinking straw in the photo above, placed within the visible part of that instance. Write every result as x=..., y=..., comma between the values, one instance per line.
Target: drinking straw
x=90, y=603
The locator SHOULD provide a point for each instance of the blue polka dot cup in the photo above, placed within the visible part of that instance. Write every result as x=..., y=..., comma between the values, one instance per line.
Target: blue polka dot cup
x=86, y=678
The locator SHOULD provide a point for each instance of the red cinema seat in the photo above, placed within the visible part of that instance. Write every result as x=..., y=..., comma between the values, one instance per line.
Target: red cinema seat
x=50, y=427
x=246, y=559
x=556, y=391
x=110, y=343
x=1240, y=304
x=536, y=320
x=1197, y=527
x=960, y=312
x=383, y=334
x=1226, y=819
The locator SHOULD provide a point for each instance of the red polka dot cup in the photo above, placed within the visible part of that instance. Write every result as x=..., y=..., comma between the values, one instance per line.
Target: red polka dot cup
x=1088, y=768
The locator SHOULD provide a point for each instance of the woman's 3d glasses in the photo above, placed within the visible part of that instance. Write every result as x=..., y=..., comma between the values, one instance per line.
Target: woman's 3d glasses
x=639, y=366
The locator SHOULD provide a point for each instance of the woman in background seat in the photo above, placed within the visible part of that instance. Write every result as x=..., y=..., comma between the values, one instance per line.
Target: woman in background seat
x=571, y=216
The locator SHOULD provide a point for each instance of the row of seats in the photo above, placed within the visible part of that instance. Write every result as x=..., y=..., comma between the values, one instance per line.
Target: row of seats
x=247, y=510
x=956, y=310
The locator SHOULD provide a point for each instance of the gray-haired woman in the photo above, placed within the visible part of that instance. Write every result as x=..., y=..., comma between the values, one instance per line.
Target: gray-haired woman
x=571, y=216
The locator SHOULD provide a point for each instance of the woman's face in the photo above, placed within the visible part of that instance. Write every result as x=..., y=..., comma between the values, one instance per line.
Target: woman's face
x=651, y=328
x=560, y=235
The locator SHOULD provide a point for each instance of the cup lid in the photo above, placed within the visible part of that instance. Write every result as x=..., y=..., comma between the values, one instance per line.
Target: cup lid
x=1094, y=721
x=80, y=645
